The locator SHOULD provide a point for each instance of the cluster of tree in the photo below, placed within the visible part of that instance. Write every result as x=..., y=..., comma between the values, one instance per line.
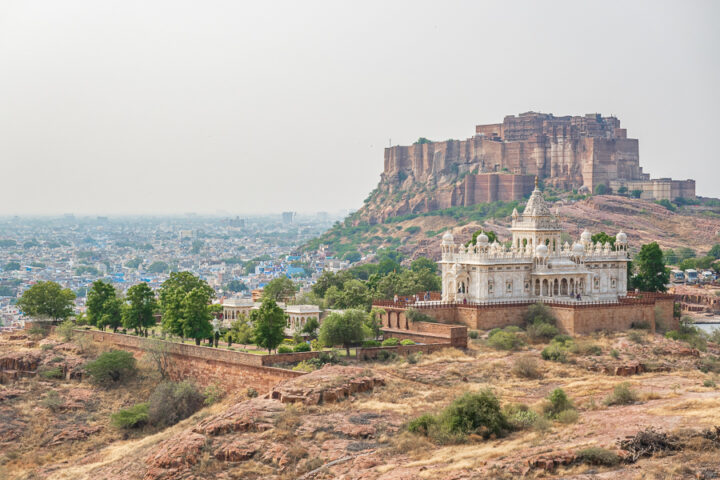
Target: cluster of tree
x=686, y=258
x=107, y=309
x=357, y=287
x=647, y=272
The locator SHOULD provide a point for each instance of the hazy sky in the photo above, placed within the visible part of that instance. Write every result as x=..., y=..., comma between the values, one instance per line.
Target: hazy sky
x=248, y=107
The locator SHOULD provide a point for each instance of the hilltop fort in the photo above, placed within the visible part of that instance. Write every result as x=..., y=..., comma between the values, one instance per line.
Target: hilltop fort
x=501, y=160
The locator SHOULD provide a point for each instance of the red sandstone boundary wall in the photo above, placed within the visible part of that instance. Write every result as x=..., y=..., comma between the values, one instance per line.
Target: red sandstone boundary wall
x=207, y=365
x=573, y=319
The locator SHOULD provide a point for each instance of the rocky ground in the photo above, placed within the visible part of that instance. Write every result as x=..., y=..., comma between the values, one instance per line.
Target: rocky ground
x=349, y=422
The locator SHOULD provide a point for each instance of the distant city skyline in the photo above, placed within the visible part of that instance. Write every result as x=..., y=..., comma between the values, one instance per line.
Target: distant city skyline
x=157, y=108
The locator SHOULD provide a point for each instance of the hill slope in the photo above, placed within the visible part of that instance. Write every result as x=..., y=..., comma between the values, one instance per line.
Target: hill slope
x=416, y=235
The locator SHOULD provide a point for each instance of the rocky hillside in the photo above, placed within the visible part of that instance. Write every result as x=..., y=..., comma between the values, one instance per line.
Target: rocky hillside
x=350, y=422
x=697, y=227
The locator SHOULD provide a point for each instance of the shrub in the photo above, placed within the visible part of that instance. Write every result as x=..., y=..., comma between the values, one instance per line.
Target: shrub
x=472, y=413
x=586, y=348
x=568, y=416
x=709, y=383
x=640, y=325
x=173, y=401
x=709, y=364
x=598, y=456
x=555, y=353
x=414, y=358
x=370, y=343
x=557, y=401
x=304, y=367
x=37, y=332
x=213, y=394
x=407, y=341
x=541, y=424
x=622, y=395
x=52, y=401
x=503, y=340
x=284, y=349
x=301, y=347
x=46, y=346
x=111, y=367
x=614, y=353
x=473, y=334
x=527, y=367
x=636, y=337
x=251, y=392
x=390, y=342
x=65, y=330
x=52, y=372
x=384, y=355
x=520, y=416
x=540, y=330
x=538, y=313
x=132, y=417
x=512, y=329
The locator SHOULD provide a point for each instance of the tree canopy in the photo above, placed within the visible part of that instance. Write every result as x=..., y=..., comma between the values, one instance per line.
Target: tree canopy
x=603, y=238
x=138, y=313
x=184, y=301
x=47, y=299
x=492, y=237
x=651, y=274
x=279, y=289
x=104, y=308
x=268, y=324
x=344, y=329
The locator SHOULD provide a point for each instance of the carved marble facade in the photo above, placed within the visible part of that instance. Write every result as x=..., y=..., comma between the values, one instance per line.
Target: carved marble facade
x=536, y=266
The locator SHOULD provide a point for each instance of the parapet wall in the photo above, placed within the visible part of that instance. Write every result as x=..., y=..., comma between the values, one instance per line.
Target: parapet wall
x=207, y=365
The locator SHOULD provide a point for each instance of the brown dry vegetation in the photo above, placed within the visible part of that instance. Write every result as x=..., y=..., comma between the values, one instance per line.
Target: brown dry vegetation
x=365, y=435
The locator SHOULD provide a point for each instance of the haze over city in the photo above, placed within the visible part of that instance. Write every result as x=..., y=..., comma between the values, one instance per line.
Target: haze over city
x=172, y=107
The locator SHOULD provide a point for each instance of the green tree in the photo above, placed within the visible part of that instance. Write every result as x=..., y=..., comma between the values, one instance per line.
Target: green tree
x=636, y=193
x=685, y=253
x=269, y=324
x=424, y=263
x=601, y=189
x=103, y=307
x=12, y=266
x=492, y=237
x=196, y=315
x=235, y=286
x=134, y=263
x=652, y=275
x=603, y=238
x=158, y=267
x=354, y=294
x=343, y=329
x=311, y=328
x=47, y=299
x=715, y=251
x=112, y=367
x=241, y=331
x=328, y=279
x=352, y=257
x=279, y=289
x=373, y=321
x=182, y=312
x=138, y=314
